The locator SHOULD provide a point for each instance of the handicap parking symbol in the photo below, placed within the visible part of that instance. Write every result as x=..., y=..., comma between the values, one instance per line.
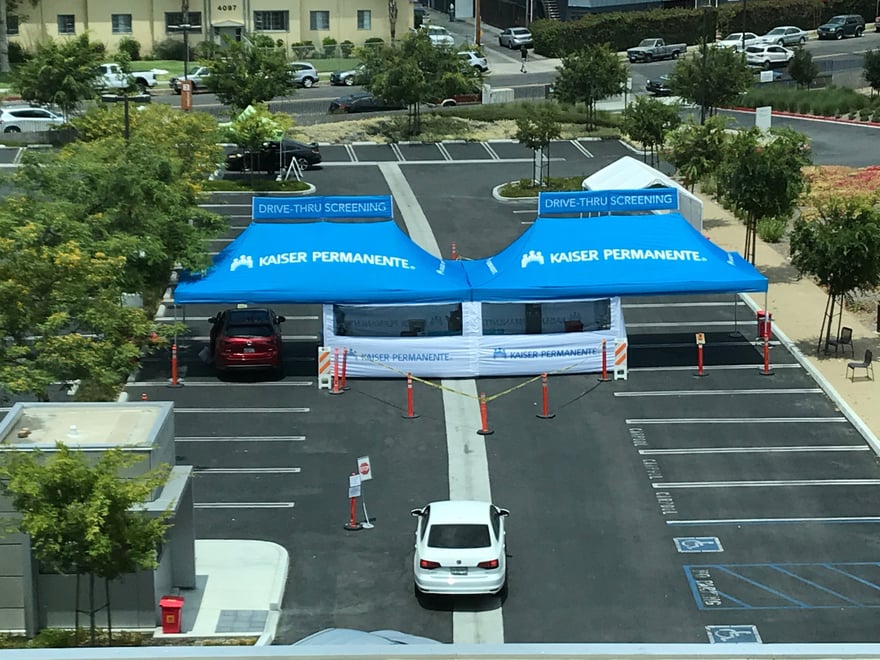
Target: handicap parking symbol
x=733, y=635
x=698, y=544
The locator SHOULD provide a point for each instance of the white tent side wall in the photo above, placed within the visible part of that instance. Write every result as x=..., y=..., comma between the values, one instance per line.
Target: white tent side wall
x=628, y=173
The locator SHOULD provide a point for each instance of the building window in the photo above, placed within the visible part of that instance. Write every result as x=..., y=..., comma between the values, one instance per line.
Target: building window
x=12, y=24
x=174, y=19
x=66, y=24
x=278, y=21
x=365, y=19
x=319, y=20
x=120, y=23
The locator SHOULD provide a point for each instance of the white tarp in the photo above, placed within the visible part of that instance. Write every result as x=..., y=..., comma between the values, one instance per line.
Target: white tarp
x=627, y=173
x=437, y=352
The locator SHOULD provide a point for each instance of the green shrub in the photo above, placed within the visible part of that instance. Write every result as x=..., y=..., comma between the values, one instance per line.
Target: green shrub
x=254, y=183
x=303, y=50
x=130, y=47
x=205, y=50
x=169, y=49
x=17, y=53
x=347, y=48
x=54, y=638
x=865, y=114
x=771, y=230
x=373, y=42
x=329, y=46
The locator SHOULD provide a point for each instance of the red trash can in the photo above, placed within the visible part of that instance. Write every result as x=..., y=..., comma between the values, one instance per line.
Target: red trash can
x=171, y=607
x=765, y=323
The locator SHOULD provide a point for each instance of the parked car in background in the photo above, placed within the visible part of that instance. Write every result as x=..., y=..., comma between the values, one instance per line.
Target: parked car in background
x=363, y=102
x=26, y=119
x=515, y=37
x=844, y=25
x=111, y=77
x=768, y=56
x=785, y=35
x=303, y=74
x=196, y=78
x=439, y=35
x=460, y=548
x=348, y=77
x=659, y=86
x=735, y=40
x=246, y=338
x=654, y=49
x=467, y=98
x=474, y=60
x=274, y=156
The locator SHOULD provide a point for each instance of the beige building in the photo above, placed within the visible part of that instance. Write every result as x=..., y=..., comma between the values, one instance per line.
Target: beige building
x=153, y=21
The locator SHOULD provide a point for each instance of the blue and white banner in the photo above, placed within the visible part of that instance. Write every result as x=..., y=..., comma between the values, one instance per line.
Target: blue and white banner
x=607, y=201
x=317, y=208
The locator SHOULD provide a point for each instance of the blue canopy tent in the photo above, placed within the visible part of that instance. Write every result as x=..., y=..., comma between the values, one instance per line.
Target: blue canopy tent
x=566, y=258
x=325, y=262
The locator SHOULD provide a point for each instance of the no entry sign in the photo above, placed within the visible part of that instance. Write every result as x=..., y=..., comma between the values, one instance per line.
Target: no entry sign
x=365, y=470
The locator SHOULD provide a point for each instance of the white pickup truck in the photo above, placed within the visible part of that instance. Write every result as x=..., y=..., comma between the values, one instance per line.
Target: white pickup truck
x=112, y=77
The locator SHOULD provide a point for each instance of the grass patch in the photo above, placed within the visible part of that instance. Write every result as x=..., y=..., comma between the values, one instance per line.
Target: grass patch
x=528, y=188
x=252, y=184
x=56, y=638
x=567, y=114
x=771, y=230
x=830, y=101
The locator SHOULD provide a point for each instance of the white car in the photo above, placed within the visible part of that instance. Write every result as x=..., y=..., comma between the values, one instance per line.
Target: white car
x=475, y=60
x=439, y=36
x=785, y=35
x=18, y=119
x=460, y=548
x=735, y=40
x=767, y=56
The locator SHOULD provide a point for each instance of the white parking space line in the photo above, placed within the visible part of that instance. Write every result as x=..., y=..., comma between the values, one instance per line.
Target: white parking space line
x=809, y=390
x=680, y=304
x=490, y=151
x=221, y=383
x=739, y=420
x=765, y=484
x=690, y=344
x=446, y=155
x=238, y=411
x=240, y=438
x=580, y=147
x=243, y=505
x=688, y=324
x=752, y=450
x=265, y=470
x=395, y=149
x=720, y=367
x=352, y=154
x=206, y=338
x=772, y=521
x=307, y=317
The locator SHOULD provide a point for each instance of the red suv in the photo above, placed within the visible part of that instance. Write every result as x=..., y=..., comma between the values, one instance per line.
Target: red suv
x=246, y=338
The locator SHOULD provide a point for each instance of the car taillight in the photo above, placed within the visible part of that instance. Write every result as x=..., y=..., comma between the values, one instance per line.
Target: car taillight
x=429, y=565
x=492, y=563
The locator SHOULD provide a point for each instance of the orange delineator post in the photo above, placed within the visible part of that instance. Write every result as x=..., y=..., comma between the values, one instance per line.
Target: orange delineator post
x=454, y=252
x=545, y=397
x=484, y=417
x=175, y=382
x=344, y=368
x=336, y=389
x=410, y=410
x=144, y=396
x=700, y=371
x=604, y=377
x=766, y=370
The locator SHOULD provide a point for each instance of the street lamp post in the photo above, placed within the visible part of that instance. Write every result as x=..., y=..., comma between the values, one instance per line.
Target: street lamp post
x=744, y=28
x=185, y=27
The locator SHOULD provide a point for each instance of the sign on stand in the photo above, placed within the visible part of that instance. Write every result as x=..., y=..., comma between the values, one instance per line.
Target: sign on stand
x=364, y=473
x=763, y=117
x=354, y=485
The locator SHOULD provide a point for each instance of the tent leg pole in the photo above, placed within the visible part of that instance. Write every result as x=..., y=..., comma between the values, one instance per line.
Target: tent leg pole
x=735, y=332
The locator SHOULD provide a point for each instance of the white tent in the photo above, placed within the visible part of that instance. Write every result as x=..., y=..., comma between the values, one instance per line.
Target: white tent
x=627, y=173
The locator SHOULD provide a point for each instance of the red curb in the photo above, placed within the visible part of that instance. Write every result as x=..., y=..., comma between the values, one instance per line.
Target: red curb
x=837, y=120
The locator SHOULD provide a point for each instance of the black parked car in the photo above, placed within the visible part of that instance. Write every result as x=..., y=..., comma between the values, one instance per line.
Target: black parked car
x=273, y=156
x=362, y=103
x=659, y=86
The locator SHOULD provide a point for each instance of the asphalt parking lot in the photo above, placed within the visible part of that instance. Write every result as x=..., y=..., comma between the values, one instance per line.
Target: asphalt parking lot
x=646, y=511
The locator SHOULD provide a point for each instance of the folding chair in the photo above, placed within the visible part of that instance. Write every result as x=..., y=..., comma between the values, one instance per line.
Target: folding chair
x=844, y=339
x=867, y=364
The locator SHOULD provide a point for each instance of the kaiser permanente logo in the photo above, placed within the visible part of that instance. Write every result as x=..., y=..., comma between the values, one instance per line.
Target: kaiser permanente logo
x=610, y=254
x=320, y=256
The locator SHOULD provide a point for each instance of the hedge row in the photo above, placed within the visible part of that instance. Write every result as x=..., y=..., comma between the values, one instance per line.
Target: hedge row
x=828, y=102
x=622, y=30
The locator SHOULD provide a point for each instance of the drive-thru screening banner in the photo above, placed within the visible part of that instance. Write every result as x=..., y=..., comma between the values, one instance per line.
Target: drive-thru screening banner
x=607, y=201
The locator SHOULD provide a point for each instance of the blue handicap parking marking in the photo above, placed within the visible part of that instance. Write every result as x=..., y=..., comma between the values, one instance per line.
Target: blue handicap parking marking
x=738, y=634
x=698, y=544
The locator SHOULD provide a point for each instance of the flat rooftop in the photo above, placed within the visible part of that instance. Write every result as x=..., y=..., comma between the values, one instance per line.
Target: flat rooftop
x=81, y=424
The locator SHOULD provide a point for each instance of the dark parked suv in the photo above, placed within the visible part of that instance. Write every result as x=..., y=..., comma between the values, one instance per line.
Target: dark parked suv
x=845, y=25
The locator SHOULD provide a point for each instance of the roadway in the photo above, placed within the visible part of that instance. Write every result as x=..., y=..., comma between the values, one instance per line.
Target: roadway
x=646, y=511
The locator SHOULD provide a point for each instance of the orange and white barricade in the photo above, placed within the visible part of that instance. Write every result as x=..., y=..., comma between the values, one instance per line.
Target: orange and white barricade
x=620, y=366
x=325, y=368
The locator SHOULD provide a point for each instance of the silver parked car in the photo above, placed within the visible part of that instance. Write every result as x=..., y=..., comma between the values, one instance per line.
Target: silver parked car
x=303, y=74
x=474, y=59
x=515, y=37
x=785, y=35
x=24, y=118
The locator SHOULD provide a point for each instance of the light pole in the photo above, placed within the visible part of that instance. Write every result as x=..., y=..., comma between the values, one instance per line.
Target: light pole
x=744, y=29
x=185, y=27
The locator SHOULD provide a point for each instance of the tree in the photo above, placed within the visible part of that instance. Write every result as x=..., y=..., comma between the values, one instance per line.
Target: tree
x=762, y=177
x=696, y=150
x=711, y=78
x=802, y=69
x=392, y=18
x=648, y=120
x=86, y=519
x=248, y=71
x=841, y=249
x=413, y=72
x=250, y=129
x=536, y=130
x=590, y=75
x=62, y=73
x=872, y=70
